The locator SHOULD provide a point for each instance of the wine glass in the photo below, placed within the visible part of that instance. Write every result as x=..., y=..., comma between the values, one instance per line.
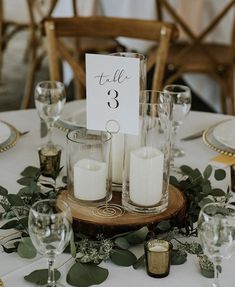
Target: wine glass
x=50, y=230
x=50, y=98
x=181, y=100
x=216, y=226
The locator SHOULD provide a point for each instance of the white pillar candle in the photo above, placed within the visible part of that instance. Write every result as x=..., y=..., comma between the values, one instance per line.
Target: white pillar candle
x=146, y=176
x=117, y=157
x=89, y=179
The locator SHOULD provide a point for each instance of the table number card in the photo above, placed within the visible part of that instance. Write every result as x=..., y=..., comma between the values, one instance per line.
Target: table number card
x=112, y=85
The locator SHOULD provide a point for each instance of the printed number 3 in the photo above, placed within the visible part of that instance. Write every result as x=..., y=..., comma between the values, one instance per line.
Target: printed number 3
x=113, y=103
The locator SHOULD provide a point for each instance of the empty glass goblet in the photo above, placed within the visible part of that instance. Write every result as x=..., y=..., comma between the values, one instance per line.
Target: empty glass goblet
x=49, y=98
x=216, y=226
x=181, y=99
x=49, y=227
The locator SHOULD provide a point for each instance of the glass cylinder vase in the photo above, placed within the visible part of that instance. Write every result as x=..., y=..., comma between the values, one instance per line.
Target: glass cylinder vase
x=147, y=156
x=117, y=149
x=88, y=166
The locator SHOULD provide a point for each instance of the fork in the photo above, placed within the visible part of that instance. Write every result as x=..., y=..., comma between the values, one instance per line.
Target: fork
x=22, y=134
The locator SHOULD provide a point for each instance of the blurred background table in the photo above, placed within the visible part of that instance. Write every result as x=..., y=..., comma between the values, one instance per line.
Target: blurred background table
x=196, y=14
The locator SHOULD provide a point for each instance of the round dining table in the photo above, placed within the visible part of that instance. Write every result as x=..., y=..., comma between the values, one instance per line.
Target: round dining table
x=12, y=162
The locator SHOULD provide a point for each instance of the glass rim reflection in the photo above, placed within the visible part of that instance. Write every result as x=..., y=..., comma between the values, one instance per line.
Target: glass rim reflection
x=60, y=212
x=137, y=55
x=210, y=210
x=172, y=89
x=49, y=85
x=84, y=135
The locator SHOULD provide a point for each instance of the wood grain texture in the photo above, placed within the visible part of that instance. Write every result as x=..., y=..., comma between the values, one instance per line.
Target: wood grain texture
x=85, y=221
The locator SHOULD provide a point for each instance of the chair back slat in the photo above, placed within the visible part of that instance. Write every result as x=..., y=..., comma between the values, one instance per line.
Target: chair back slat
x=105, y=27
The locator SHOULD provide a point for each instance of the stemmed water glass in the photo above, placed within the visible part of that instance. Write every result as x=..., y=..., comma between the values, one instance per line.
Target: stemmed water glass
x=181, y=100
x=216, y=226
x=49, y=227
x=50, y=98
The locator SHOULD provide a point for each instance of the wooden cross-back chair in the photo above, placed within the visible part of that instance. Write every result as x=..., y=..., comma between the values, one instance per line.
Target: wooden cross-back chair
x=38, y=11
x=105, y=27
x=198, y=56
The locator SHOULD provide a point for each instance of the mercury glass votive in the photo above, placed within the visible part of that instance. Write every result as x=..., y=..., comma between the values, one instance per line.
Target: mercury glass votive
x=49, y=157
x=157, y=255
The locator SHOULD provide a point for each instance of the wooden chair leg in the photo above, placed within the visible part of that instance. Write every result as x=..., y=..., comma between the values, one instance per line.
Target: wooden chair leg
x=231, y=93
x=28, y=92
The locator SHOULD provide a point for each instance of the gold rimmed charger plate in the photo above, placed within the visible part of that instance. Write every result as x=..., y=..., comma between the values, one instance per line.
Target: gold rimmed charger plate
x=12, y=140
x=213, y=144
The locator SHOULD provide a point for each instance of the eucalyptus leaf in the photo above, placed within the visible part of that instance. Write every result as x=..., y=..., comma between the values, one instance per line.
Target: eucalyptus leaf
x=3, y=191
x=207, y=273
x=10, y=224
x=122, y=257
x=138, y=236
x=73, y=250
x=206, y=267
x=26, y=249
x=140, y=262
x=204, y=201
x=217, y=192
x=30, y=171
x=25, y=191
x=15, y=200
x=178, y=257
x=40, y=276
x=24, y=222
x=220, y=174
x=206, y=187
x=164, y=225
x=207, y=172
x=25, y=181
x=83, y=275
x=186, y=170
x=122, y=242
x=174, y=181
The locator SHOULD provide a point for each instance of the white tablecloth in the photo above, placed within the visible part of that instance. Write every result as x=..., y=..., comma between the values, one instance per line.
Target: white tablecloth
x=13, y=161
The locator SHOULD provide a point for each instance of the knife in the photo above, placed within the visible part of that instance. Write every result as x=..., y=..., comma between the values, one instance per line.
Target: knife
x=193, y=136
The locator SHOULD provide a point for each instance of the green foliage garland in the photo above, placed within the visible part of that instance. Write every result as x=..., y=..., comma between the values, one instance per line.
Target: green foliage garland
x=87, y=254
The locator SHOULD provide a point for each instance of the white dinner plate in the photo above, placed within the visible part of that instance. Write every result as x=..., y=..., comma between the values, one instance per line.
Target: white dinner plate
x=73, y=115
x=224, y=133
x=5, y=132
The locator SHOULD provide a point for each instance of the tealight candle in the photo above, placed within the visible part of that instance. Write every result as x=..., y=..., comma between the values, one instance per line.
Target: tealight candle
x=146, y=176
x=89, y=179
x=157, y=254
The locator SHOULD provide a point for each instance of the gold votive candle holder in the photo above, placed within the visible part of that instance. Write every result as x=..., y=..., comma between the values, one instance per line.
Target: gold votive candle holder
x=49, y=158
x=157, y=256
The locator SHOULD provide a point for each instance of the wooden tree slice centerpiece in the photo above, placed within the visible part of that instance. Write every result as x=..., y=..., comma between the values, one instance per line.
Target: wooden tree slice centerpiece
x=87, y=219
